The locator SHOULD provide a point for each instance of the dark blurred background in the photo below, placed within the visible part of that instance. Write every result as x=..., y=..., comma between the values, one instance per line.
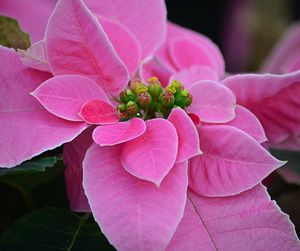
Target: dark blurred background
x=256, y=24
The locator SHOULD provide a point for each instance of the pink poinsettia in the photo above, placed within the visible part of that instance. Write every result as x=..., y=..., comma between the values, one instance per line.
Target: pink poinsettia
x=173, y=167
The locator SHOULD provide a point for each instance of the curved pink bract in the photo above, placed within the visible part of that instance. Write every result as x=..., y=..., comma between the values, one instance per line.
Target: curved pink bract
x=273, y=99
x=25, y=124
x=132, y=213
x=232, y=162
x=77, y=44
x=212, y=102
x=152, y=155
x=118, y=133
x=234, y=223
x=65, y=95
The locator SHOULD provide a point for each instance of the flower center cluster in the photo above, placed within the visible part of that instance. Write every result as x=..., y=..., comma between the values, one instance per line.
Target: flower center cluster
x=152, y=100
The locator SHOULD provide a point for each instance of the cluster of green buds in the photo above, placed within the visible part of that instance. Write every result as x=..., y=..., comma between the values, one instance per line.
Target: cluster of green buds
x=152, y=100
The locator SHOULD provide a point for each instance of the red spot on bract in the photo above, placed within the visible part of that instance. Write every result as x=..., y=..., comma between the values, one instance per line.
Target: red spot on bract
x=195, y=118
x=98, y=112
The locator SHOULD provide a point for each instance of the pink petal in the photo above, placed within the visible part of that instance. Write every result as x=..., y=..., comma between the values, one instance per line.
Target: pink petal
x=193, y=74
x=151, y=67
x=114, y=134
x=26, y=128
x=212, y=102
x=207, y=47
x=32, y=17
x=186, y=52
x=36, y=57
x=282, y=56
x=64, y=95
x=247, y=122
x=273, y=99
x=77, y=44
x=73, y=156
x=291, y=143
x=151, y=156
x=145, y=19
x=132, y=213
x=188, y=138
x=123, y=42
x=248, y=221
x=98, y=112
x=232, y=162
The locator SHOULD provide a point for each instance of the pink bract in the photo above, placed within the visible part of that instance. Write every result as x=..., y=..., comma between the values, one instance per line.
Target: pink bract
x=183, y=49
x=212, y=102
x=232, y=162
x=70, y=92
x=147, y=156
x=73, y=155
x=285, y=56
x=98, y=112
x=119, y=132
x=273, y=99
x=234, y=223
x=25, y=124
x=145, y=217
x=36, y=56
x=188, y=139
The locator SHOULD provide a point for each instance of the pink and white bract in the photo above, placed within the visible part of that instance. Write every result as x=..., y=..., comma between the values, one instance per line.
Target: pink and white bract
x=189, y=180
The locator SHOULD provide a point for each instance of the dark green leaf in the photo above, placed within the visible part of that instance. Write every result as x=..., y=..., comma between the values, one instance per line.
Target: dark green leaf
x=24, y=192
x=11, y=34
x=30, y=166
x=54, y=229
x=33, y=178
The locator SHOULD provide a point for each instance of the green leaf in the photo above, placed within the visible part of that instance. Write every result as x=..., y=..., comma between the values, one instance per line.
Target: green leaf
x=24, y=192
x=31, y=178
x=54, y=229
x=31, y=166
x=11, y=34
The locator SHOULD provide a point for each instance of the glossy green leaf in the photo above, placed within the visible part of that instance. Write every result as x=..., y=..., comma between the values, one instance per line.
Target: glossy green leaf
x=54, y=229
x=31, y=166
x=11, y=34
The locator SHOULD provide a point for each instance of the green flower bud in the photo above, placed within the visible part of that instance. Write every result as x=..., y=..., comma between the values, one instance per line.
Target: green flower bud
x=122, y=111
x=171, y=88
x=144, y=100
x=183, y=99
x=134, y=84
x=141, y=89
x=167, y=99
x=127, y=95
x=154, y=87
x=177, y=85
x=132, y=108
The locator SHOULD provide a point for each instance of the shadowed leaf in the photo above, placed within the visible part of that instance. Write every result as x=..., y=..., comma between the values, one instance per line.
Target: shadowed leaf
x=31, y=166
x=54, y=229
x=11, y=34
